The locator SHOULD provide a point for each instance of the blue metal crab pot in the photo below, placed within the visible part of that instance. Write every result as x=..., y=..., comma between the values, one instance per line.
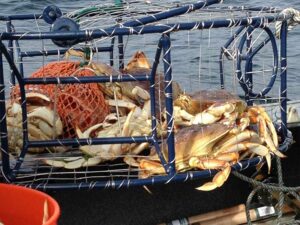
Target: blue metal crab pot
x=178, y=36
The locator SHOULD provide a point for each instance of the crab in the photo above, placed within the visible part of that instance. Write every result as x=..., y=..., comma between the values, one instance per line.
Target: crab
x=42, y=121
x=211, y=146
x=136, y=123
x=135, y=92
x=207, y=107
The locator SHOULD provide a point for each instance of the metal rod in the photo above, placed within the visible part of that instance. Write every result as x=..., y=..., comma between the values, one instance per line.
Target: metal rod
x=21, y=17
x=121, y=51
x=111, y=53
x=20, y=58
x=153, y=105
x=283, y=77
x=60, y=51
x=248, y=72
x=74, y=142
x=166, y=45
x=10, y=50
x=98, y=33
x=3, y=124
x=84, y=80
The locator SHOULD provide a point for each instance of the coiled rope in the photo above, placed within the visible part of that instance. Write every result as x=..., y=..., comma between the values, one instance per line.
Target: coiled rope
x=279, y=187
x=294, y=20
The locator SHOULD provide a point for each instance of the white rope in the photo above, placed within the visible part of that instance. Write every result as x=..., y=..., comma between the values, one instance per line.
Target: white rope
x=292, y=22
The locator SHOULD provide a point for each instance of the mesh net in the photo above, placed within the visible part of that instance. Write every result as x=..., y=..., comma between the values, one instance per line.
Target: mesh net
x=78, y=105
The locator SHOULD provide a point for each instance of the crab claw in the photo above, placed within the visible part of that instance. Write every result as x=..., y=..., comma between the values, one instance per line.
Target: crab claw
x=218, y=180
x=151, y=167
x=205, y=118
x=139, y=60
x=73, y=162
x=220, y=177
x=258, y=115
x=140, y=92
x=263, y=130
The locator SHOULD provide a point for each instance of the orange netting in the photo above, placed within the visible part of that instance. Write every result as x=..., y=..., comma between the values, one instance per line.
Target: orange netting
x=78, y=105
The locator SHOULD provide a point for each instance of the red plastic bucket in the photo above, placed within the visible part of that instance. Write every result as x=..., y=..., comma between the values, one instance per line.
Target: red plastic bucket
x=25, y=206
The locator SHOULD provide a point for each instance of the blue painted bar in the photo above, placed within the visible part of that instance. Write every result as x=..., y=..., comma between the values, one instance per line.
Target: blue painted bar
x=153, y=107
x=84, y=35
x=60, y=51
x=90, y=141
x=265, y=9
x=121, y=52
x=111, y=53
x=249, y=70
x=20, y=59
x=21, y=17
x=10, y=49
x=84, y=80
x=3, y=124
x=166, y=45
x=283, y=77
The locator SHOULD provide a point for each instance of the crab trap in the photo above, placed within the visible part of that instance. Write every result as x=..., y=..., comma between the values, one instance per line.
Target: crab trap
x=137, y=93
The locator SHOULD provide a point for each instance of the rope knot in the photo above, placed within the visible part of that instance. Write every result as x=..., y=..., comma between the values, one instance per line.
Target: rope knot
x=294, y=19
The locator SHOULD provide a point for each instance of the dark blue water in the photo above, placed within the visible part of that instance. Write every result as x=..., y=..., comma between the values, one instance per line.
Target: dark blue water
x=194, y=54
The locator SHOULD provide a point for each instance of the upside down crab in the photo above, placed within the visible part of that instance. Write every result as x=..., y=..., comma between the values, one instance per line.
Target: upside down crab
x=212, y=133
x=42, y=121
x=224, y=107
x=207, y=147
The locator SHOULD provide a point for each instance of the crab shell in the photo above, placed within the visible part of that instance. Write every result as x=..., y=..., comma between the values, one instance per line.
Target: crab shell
x=135, y=124
x=43, y=123
x=209, y=147
x=189, y=142
x=136, y=92
x=201, y=100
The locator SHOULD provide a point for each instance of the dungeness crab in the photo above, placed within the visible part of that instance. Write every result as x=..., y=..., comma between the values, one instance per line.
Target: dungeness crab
x=207, y=107
x=42, y=121
x=214, y=133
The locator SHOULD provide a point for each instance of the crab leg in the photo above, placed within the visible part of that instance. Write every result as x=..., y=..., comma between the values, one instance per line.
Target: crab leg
x=257, y=115
x=228, y=157
x=256, y=148
x=73, y=162
x=120, y=103
x=137, y=150
x=263, y=129
x=231, y=140
x=140, y=92
x=219, y=178
x=205, y=118
x=152, y=167
x=139, y=60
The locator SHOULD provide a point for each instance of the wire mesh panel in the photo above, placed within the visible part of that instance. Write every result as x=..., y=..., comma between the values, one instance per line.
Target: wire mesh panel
x=140, y=93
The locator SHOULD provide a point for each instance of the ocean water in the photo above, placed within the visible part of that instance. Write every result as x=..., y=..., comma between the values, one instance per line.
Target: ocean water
x=194, y=54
